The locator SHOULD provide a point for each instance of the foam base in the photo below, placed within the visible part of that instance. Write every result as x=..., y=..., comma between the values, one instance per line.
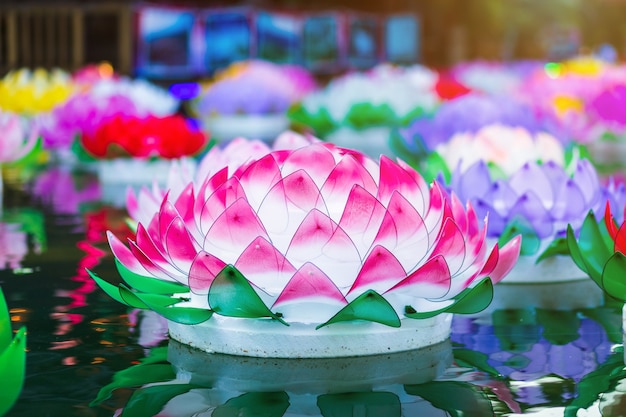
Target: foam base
x=263, y=127
x=271, y=339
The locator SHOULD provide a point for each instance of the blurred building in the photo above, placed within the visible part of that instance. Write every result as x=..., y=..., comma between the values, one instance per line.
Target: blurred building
x=69, y=34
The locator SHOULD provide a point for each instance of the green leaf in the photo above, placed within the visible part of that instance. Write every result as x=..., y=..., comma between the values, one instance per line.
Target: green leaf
x=592, y=247
x=459, y=399
x=149, y=284
x=12, y=370
x=469, y=301
x=321, y=121
x=560, y=327
x=556, y=247
x=472, y=359
x=183, y=315
x=111, y=290
x=614, y=276
x=145, y=301
x=160, y=304
x=496, y=172
x=435, y=166
x=6, y=331
x=369, y=306
x=412, y=155
x=521, y=226
x=576, y=255
x=363, y=115
x=135, y=376
x=371, y=404
x=149, y=401
x=232, y=295
x=254, y=404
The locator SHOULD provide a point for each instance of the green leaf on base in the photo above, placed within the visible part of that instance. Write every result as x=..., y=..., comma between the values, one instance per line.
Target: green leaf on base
x=232, y=295
x=369, y=306
x=12, y=370
x=614, y=276
x=556, y=247
x=149, y=284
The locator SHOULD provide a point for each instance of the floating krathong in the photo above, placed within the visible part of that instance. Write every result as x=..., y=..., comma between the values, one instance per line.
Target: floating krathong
x=360, y=109
x=466, y=115
x=30, y=93
x=314, y=252
x=599, y=249
x=504, y=147
x=539, y=201
x=137, y=151
x=85, y=111
x=251, y=99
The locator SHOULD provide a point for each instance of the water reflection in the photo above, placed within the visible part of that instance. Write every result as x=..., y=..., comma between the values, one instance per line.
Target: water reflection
x=21, y=232
x=201, y=384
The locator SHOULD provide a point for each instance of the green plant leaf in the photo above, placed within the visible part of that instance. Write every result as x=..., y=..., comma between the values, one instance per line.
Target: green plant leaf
x=161, y=305
x=556, y=247
x=469, y=301
x=460, y=399
x=12, y=370
x=435, y=165
x=149, y=401
x=232, y=295
x=473, y=359
x=592, y=247
x=369, y=404
x=111, y=290
x=149, y=284
x=363, y=115
x=576, y=255
x=6, y=332
x=614, y=276
x=254, y=404
x=136, y=376
x=521, y=226
x=369, y=306
x=321, y=121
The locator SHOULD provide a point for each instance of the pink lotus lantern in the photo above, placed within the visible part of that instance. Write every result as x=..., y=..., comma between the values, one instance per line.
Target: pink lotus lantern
x=313, y=252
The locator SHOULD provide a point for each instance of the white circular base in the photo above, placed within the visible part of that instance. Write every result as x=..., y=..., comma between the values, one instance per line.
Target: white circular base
x=572, y=295
x=558, y=268
x=270, y=339
x=133, y=171
x=263, y=127
x=373, y=141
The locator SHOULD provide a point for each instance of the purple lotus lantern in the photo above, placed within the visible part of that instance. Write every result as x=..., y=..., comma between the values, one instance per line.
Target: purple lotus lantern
x=314, y=252
x=251, y=99
x=467, y=114
x=539, y=201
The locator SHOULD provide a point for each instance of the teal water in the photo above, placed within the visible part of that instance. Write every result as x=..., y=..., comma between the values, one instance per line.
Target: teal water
x=85, y=351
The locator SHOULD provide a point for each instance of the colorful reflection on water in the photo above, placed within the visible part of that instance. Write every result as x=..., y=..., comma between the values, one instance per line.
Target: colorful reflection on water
x=90, y=356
